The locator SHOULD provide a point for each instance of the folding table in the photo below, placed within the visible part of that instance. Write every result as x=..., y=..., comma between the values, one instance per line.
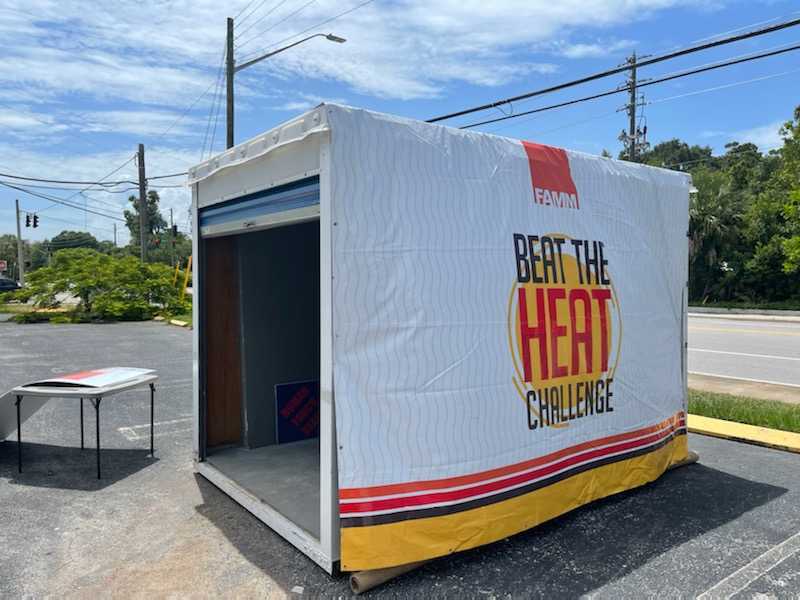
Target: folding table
x=94, y=385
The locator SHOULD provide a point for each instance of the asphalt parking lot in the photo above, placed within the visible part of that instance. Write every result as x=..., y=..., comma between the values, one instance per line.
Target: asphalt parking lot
x=727, y=526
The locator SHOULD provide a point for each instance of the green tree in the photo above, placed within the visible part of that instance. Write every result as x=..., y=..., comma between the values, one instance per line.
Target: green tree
x=155, y=222
x=678, y=155
x=789, y=179
x=713, y=221
x=8, y=253
x=73, y=239
x=108, y=287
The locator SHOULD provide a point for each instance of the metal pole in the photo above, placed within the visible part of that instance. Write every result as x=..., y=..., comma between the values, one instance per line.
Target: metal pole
x=142, y=205
x=152, y=413
x=172, y=238
x=633, y=138
x=19, y=435
x=81, y=423
x=229, y=72
x=115, y=235
x=20, y=253
x=96, y=403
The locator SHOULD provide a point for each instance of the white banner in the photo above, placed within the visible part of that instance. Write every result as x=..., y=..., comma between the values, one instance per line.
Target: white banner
x=507, y=317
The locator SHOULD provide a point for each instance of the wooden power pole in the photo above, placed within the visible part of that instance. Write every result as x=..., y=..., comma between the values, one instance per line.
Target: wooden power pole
x=633, y=138
x=142, y=205
x=20, y=252
x=229, y=72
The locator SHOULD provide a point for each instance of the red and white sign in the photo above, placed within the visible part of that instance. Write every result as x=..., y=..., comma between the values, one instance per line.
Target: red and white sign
x=94, y=378
x=3, y=265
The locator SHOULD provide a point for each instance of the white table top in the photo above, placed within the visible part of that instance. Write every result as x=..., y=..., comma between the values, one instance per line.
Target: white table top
x=88, y=384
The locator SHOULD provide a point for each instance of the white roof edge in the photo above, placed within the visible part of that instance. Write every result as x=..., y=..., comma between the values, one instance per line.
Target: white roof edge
x=312, y=122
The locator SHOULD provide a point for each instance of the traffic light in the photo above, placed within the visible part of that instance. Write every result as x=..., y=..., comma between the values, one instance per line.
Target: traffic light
x=35, y=220
x=27, y=220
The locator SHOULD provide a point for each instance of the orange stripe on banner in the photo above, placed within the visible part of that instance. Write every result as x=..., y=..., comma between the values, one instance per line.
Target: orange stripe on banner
x=432, y=484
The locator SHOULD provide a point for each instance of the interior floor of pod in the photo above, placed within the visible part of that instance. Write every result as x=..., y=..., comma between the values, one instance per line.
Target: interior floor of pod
x=284, y=476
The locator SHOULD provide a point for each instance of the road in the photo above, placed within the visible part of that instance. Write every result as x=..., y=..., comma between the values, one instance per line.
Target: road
x=764, y=351
x=729, y=525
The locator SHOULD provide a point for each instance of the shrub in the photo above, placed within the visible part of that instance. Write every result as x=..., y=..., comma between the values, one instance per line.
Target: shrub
x=107, y=287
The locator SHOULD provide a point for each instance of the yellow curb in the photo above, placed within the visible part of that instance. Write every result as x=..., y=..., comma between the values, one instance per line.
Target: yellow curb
x=158, y=318
x=178, y=322
x=729, y=430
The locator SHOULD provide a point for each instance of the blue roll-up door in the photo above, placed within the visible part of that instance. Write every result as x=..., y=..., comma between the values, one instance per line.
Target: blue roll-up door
x=262, y=209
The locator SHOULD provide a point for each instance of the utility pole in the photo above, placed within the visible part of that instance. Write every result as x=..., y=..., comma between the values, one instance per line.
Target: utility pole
x=172, y=238
x=229, y=73
x=635, y=138
x=231, y=68
x=632, y=109
x=115, y=235
x=20, y=253
x=142, y=205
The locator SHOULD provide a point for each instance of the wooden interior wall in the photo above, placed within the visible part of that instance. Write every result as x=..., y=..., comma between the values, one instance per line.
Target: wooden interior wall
x=222, y=351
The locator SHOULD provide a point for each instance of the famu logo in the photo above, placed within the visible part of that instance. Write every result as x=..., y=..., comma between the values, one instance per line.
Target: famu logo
x=550, y=176
x=564, y=329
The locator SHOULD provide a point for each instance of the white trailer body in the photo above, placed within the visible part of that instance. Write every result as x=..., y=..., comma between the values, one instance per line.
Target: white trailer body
x=412, y=340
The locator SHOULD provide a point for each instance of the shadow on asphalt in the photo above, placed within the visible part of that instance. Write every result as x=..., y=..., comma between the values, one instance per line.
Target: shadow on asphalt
x=569, y=556
x=69, y=468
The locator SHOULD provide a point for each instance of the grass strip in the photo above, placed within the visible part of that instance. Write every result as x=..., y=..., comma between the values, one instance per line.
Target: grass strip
x=751, y=411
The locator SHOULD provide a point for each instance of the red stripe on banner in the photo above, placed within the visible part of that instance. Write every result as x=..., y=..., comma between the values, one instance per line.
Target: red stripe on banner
x=432, y=484
x=82, y=375
x=497, y=486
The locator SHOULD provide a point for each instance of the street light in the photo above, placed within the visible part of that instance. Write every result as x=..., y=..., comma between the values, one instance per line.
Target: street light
x=231, y=68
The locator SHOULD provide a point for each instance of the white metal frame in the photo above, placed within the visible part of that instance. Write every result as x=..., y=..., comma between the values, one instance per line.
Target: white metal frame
x=325, y=550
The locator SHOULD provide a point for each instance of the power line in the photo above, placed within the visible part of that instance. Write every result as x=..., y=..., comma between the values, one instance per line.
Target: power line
x=216, y=120
x=670, y=77
x=106, y=183
x=68, y=189
x=307, y=29
x=622, y=68
x=181, y=174
x=723, y=86
x=52, y=218
x=106, y=176
x=59, y=201
x=244, y=8
x=215, y=101
x=264, y=16
x=274, y=25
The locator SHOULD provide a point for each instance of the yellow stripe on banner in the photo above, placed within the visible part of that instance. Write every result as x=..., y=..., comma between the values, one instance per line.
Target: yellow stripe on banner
x=391, y=544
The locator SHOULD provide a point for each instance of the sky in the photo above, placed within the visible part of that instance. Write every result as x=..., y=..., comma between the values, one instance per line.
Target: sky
x=83, y=83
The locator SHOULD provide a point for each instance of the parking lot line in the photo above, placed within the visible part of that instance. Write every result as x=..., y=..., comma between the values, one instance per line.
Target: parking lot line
x=739, y=580
x=783, y=383
x=131, y=432
x=770, y=356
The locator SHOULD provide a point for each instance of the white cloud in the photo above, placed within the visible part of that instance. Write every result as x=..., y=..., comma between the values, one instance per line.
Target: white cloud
x=766, y=137
x=167, y=53
x=138, y=122
x=306, y=102
x=591, y=50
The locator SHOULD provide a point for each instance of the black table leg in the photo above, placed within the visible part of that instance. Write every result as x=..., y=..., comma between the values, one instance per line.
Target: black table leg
x=19, y=435
x=96, y=404
x=152, y=411
x=81, y=423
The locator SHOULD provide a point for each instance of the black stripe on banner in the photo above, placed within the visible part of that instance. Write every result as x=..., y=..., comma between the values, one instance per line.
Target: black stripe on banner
x=436, y=511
